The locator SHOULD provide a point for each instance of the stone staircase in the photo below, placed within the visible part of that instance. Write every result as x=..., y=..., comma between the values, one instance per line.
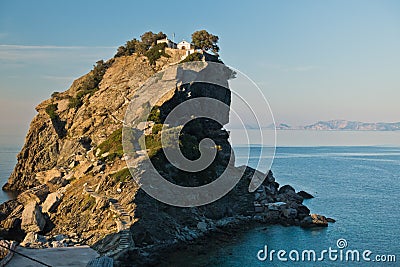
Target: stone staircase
x=122, y=219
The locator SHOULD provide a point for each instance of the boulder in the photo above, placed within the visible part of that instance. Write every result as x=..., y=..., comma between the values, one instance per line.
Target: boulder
x=7, y=207
x=270, y=177
x=330, y=220
x=11, y=223
x=10, y=228
x=302, y=211
x=59, y=237
x=58, y=244
x=307, y=222
x=290, y=196
x=314, y=220
x=285, y=189
x=319, y=220
x=37, y=194
x=32, y=218
x=33, y=240
x=52, y=201
x=305, y=195
x=17, y=212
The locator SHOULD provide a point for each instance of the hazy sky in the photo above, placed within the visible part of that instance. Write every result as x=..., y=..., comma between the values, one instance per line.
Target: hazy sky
x=314, y=60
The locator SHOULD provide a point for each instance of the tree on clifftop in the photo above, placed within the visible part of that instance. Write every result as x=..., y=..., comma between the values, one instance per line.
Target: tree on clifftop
x=205, y=41
x=150, y=38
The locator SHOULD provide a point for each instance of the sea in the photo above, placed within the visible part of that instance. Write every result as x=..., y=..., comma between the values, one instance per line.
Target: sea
x=355, y=182
x=10, y=145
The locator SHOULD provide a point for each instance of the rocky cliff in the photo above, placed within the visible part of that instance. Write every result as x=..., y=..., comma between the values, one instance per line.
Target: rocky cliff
x=74, y=182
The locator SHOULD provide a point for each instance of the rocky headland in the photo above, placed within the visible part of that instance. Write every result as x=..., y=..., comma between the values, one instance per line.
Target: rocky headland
x=74, y=187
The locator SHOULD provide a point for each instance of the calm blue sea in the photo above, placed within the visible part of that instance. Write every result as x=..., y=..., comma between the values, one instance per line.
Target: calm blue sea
x=357, y=185
x=8, y=159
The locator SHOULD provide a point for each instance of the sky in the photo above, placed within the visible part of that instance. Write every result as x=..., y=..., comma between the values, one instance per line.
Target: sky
x=313, y=60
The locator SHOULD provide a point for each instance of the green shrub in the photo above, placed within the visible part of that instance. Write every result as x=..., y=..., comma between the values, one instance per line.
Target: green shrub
x=155, y=52
x=153, y=144
x=90, y=85
x=157, y=128
x=113, y=145
x=148, y=39
x=154, y=115
x=75, y=102
x=188, y=144
x=193, y=57
x=51, y=111
x=122, y=176
x=55, y=94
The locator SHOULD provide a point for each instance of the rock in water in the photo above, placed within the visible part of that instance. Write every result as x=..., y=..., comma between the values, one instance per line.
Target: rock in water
x=305, y=195
x=286, y=189
x=314, y=220
x=331, y=220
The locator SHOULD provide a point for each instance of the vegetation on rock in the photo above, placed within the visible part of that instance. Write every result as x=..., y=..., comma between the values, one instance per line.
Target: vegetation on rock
x=51, y=111
x=90, y=85
x=112, y=145
x=148, y=40
x=193, y=57
x=156, y=52
x=154, y=115
x=147, y=45
x=122, y=176
x=157, y=128
x=88, y=202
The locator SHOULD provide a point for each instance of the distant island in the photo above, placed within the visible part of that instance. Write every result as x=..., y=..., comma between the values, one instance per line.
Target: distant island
x=342, y=125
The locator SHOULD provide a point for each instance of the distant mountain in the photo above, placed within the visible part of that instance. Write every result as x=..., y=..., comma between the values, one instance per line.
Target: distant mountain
x=343, y=125
x=284, y=126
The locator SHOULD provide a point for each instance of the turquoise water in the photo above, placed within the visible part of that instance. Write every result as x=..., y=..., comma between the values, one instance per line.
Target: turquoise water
x=358, y=186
